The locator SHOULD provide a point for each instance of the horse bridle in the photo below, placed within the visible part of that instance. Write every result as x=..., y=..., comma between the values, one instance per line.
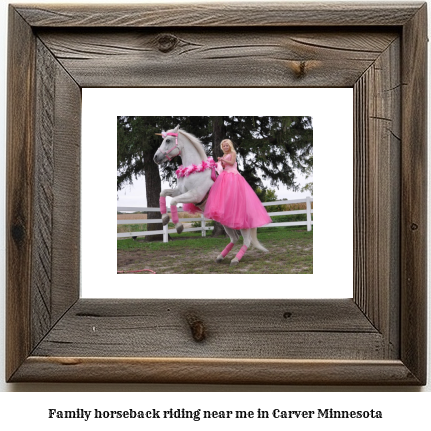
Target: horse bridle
x=164, y=135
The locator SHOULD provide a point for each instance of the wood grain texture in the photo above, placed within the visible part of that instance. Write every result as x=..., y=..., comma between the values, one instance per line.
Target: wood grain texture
x=228, y=58
x=414, y=229
x=209, y=14
x=67, y=194
x=377, y=101
x=55, y=278
x=268, y=329
x=19, y=197
x=378, y=337
x=44, y=194
x=215, y=371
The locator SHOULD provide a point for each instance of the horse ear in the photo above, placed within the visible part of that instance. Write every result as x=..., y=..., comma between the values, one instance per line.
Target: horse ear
x=176, y=129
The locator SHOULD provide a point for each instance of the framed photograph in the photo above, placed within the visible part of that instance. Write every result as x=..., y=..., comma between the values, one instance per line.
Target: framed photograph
x=273, y=158
x=289, y=263
x=377, y=337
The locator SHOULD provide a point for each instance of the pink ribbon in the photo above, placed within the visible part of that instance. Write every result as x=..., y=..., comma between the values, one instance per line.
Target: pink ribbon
x=227, y=249
x=185, y=171
x=174, y=213
x=241, y=252
x=162, y=202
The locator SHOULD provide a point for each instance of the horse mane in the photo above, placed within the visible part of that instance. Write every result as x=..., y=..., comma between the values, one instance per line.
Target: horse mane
x=196, y=143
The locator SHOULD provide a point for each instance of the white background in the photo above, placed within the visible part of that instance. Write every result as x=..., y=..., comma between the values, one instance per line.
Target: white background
x=333, y=192
x=403, y=408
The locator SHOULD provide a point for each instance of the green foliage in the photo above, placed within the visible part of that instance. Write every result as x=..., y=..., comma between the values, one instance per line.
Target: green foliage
x=137, y=143
x=208, y=223
x=277, y=146
x=268, y=195
x=308, y=172
x=269, y=148
x=308, y=188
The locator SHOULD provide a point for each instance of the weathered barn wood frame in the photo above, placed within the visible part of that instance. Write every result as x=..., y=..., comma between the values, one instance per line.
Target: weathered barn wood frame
x=378, y=337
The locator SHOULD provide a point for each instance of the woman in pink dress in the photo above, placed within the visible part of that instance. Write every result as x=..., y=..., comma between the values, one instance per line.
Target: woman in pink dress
x=232, y=202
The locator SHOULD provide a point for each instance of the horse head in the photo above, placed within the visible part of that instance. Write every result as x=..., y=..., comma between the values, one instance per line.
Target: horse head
x=169, y=148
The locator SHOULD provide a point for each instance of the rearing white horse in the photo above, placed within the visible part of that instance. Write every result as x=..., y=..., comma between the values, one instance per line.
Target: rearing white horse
x=195, y=179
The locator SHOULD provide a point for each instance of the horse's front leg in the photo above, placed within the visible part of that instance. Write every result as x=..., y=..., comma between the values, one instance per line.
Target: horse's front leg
x=162, y=200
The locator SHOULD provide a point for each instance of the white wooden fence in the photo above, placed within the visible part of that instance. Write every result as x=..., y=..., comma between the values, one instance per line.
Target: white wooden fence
x=203, y=228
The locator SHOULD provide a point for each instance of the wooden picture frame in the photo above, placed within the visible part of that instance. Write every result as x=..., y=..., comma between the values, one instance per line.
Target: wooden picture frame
x=376, y=338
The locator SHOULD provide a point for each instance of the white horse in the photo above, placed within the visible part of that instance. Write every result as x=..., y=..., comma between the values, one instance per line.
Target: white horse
x=195, y=179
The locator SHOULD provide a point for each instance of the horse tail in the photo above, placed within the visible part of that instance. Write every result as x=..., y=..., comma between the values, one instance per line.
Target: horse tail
x=255, y=242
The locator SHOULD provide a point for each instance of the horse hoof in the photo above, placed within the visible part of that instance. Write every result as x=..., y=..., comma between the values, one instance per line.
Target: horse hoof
x=165, y=219
x=234, y=262
x=219, y=258
x=179, y=227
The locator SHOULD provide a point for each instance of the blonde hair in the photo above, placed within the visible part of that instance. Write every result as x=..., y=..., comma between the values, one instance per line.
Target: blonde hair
x=230, y=143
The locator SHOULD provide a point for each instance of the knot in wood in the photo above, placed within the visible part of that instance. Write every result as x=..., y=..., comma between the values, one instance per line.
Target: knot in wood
x=197, y=328
x=414, y=226
x=18, y=233
x=300, y=69
x=167, y=42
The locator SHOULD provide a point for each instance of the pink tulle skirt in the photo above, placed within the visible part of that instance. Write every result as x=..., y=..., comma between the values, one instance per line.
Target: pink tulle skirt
x=233, y=203
x=191, y=209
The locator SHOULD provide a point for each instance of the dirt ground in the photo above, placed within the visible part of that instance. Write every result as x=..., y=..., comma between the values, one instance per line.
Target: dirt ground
x=294, y=257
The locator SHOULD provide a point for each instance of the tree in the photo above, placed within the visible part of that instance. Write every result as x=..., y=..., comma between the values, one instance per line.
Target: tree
x=269, y=195
x=276, y=147
x=272, y=148
x=136, y=145
x=308, y=186
x=268, y=148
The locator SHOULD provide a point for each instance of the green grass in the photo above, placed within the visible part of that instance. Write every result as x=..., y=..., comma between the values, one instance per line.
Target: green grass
x=195, y=239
